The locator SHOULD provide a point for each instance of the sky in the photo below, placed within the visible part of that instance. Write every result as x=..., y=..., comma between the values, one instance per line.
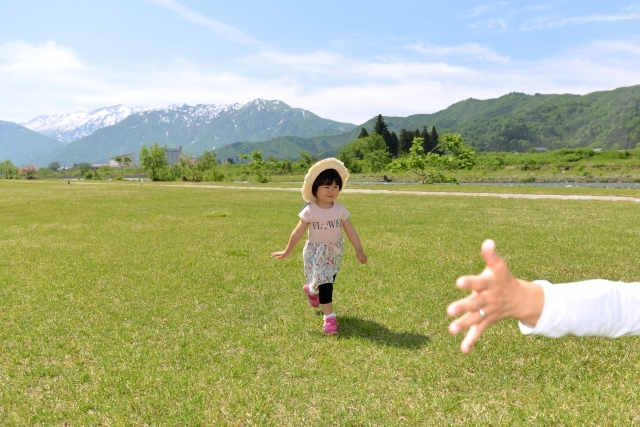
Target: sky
x=342, y=60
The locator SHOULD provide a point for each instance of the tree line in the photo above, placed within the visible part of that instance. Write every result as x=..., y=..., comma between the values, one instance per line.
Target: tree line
x=397, y=145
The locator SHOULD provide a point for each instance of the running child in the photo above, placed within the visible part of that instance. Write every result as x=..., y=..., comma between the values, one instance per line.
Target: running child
x=325, y=219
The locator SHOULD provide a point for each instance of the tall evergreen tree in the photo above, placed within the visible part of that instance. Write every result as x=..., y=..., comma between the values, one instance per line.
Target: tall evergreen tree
x=426, y=140
x=434, y=139
x=381, y=129
x=363, y=133
x=393, y=144
x=405, y=141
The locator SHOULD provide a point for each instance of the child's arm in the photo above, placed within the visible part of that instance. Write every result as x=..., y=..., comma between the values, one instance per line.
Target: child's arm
x=296, y=235
x=352, y=234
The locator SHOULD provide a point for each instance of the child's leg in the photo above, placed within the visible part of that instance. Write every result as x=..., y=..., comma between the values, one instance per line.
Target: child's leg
x=327, y=309
x=330, y=325
x=326, y=298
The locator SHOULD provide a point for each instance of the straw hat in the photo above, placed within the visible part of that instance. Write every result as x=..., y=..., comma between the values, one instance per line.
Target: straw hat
x=317, y=169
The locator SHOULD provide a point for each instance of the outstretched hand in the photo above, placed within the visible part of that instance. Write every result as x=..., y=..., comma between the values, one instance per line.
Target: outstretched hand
x=495, y=295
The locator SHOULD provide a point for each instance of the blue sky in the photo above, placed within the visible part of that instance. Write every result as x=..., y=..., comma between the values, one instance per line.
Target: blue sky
x=343, y=60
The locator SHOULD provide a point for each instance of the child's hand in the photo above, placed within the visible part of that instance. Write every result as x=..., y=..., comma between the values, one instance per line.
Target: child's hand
x=279, y=254
x=361, y=257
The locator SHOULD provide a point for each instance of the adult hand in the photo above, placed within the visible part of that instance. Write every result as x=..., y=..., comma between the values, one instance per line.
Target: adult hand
x=495, y=295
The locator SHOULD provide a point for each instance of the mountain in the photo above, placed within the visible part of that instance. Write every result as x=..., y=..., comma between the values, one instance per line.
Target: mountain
x=17, y=143
x=70, y=127
x=286, y=147
x=514, y=122
x=195, y=128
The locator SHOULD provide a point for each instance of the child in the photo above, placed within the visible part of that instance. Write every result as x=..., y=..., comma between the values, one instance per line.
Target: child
x=324, y=218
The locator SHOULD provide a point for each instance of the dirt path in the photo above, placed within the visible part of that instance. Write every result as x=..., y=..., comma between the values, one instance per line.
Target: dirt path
x=444, y=193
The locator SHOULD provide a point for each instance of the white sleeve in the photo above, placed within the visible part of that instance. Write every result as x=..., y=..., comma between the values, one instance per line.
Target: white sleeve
x=600, y=308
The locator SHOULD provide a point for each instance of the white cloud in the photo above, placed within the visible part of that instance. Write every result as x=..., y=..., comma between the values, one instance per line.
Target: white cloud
x=226, y=31
x=335, y=67
x=20, y=57
x=541, y=23
x=329, y=84
x=496, y=17
x=467, y=50
x=482, y=10
x=618, y=46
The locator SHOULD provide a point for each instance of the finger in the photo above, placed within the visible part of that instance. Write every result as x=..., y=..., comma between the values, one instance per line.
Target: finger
x=454, y=327
x=472, y=336
x=491, y=258
x=458, y=307
x=473, y=302
x=474, y=283
x=465, y=322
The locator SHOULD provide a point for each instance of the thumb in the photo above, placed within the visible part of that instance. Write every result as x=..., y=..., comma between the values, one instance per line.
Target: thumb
x=491, y=257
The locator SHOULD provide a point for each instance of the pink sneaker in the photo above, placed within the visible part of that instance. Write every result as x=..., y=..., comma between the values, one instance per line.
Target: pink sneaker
x=330, y=326
x=314, y=299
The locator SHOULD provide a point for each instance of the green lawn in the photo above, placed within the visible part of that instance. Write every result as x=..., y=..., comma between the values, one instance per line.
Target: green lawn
x=127, y=303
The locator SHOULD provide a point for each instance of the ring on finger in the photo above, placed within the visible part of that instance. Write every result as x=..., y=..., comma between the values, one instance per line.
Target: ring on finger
x=481, y=311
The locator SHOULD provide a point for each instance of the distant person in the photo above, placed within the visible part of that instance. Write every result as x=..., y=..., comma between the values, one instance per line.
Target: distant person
x=323, y=250
x=598, y=307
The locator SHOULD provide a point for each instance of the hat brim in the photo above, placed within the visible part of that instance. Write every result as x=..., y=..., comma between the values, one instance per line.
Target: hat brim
x=317, y=169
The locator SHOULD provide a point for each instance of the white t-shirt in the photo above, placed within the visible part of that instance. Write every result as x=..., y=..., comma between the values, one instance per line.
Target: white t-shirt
x=599, y=308
x=325, y=225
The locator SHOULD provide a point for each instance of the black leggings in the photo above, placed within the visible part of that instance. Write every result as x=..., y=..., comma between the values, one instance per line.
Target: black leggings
x=326, y=292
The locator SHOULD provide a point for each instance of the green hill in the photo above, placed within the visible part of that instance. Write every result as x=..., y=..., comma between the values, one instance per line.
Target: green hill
x=17, y=143
x=286, y=147
x=515, y=122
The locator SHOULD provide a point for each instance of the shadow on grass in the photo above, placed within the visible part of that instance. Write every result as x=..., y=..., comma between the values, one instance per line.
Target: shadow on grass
x=350, y=327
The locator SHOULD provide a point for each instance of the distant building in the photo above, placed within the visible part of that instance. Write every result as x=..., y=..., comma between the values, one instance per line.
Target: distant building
x=132, y=162
x=173, y=155
x=541, y=149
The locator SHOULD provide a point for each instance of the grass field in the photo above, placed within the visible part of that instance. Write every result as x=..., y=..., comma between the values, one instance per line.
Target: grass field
x=128, y=303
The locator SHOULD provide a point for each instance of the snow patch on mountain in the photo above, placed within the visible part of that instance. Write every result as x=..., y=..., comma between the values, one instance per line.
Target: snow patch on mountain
x=67, y=128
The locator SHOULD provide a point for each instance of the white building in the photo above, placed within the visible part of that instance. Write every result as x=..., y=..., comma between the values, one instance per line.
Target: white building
x=173, y=155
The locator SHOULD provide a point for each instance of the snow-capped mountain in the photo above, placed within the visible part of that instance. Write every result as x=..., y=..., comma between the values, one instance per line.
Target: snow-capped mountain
x=194, y=128
x=67, y=128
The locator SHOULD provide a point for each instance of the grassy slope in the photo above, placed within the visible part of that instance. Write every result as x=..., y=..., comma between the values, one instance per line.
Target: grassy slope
x=607, y=119
x=132, y=304
x=16, y=142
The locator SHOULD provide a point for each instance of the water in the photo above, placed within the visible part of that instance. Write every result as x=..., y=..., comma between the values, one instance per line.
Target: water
x=635, y=185
x=561, y=184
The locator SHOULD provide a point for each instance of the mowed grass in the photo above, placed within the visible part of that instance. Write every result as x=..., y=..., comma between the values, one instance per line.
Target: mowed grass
x=142, y=304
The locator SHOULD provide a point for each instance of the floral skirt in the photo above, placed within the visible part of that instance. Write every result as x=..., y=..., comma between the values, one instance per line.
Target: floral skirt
x=322, y=261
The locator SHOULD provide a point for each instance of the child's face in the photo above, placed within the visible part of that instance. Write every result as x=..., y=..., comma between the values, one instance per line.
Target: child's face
x=326, y=194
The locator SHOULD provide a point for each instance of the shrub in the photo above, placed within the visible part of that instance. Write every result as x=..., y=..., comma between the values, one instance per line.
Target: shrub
x=28, y=171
